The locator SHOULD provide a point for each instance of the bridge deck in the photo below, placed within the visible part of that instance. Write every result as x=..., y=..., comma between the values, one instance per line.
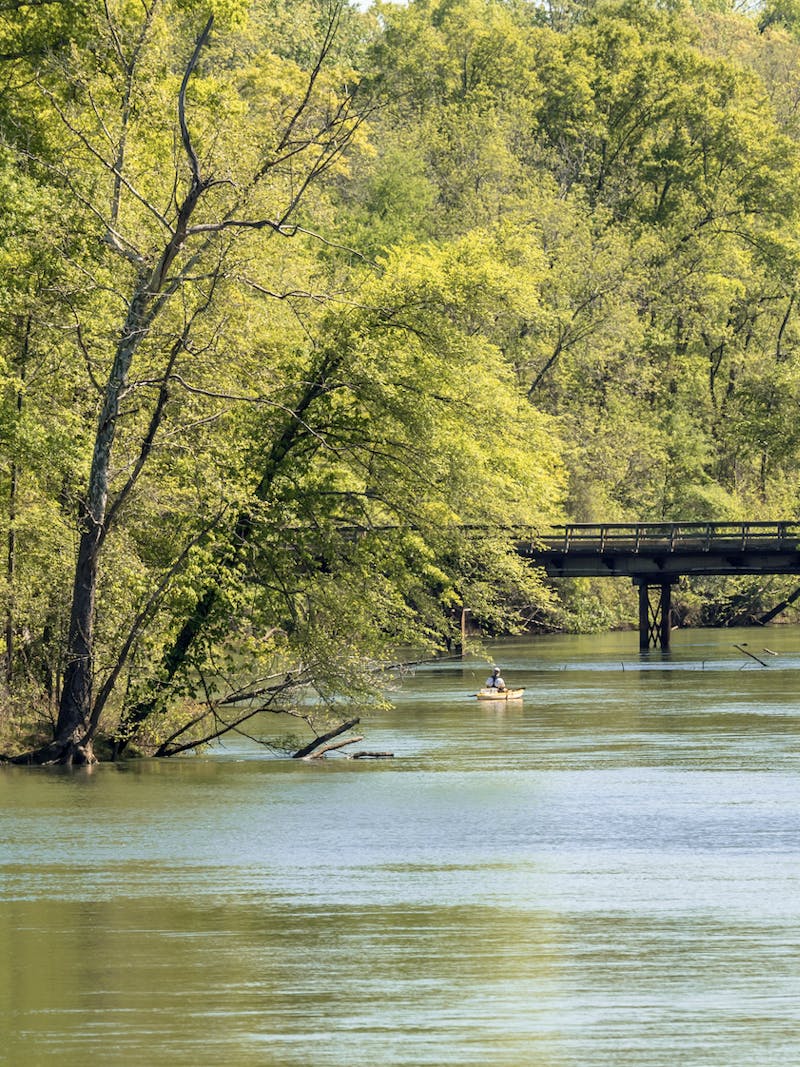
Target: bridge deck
x=664, y=551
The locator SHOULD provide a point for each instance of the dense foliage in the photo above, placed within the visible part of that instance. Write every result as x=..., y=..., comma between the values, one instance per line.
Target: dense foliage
x=303, y=304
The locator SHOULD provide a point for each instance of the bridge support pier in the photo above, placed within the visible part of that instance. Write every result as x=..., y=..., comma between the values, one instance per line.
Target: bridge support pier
x=655, y=612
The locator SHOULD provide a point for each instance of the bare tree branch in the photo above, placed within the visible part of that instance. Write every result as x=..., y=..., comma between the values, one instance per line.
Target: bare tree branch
x=219, y=731
x=110, y=167
x=130, y=70
x=158, y=413
x=327, y=44
x=83, y=348
x=185, y=135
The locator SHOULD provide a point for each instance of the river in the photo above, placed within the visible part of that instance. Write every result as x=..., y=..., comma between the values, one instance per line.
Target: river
x=605, y=874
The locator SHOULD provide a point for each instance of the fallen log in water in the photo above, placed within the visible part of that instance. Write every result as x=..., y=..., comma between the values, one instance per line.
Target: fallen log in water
x=329, y=748
x=309, y=748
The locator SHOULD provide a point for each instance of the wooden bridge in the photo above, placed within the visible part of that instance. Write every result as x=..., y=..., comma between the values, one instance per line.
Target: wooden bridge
x=655, y=555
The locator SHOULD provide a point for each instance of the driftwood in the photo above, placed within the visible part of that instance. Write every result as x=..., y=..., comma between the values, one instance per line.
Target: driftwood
x=309, y=748
x=329, y=748
x=750, y=654
x=372, y=755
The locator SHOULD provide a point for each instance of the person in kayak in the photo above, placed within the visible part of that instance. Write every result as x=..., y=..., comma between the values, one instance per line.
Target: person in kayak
x=494, y=681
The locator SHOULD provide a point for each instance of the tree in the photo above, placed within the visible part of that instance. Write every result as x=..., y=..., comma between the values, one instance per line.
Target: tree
x=261, y=393
x=166, y=258
x=386, y=449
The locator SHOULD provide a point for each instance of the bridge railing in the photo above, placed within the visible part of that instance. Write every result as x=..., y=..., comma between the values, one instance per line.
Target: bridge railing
x=674, y=536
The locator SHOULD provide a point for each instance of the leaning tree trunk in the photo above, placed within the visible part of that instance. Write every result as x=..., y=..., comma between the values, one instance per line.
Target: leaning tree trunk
x=73, y=740
x=175, y=655
x=74, y=729
x=76, y=724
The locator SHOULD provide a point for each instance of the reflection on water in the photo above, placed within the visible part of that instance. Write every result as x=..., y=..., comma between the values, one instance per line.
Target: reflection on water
x=606, y=874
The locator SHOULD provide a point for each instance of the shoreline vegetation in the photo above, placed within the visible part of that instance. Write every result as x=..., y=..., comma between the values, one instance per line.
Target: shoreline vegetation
x=28, y=729
x=272, y=273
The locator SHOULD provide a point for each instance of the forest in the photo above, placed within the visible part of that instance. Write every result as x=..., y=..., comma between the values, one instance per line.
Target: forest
x=308, y=306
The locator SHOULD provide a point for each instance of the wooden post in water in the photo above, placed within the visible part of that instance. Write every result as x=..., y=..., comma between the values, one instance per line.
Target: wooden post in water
x=458, y=646
x=666, y=615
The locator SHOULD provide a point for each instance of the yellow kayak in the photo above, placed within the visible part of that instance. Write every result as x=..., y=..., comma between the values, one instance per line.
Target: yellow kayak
x=499, y=694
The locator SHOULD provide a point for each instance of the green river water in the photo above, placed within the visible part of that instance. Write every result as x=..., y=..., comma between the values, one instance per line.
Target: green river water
x=605, y=874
